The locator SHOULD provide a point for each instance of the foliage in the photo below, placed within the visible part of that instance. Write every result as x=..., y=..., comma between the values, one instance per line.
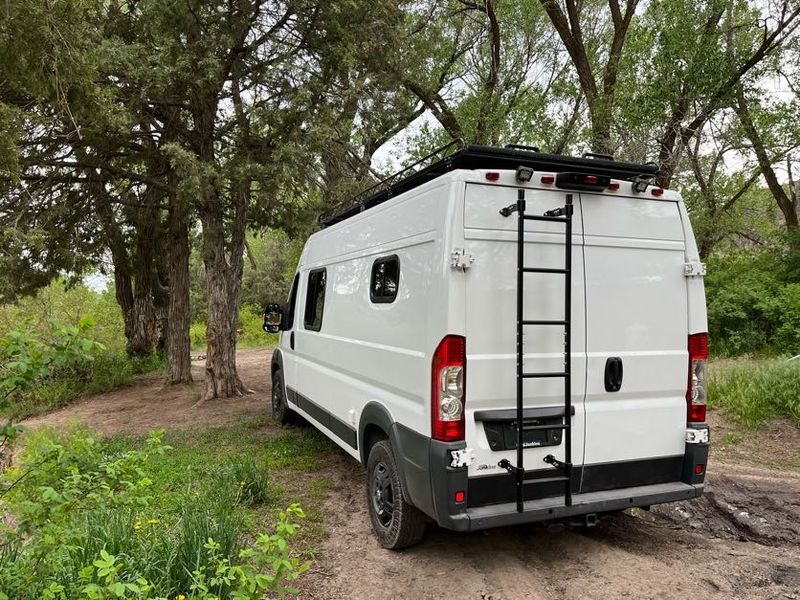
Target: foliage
x=27, y=362
x=68, y=304
x=753, y=303
x=42, y=368
x=755, y=391
x=86, y=523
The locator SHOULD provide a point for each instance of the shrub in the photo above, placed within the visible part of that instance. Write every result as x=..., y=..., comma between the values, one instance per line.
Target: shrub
x=755, y=391
x=44, y=369
x=753, y=307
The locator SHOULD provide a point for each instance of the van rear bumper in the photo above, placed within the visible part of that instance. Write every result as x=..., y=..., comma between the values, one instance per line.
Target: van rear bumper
x=546, y=509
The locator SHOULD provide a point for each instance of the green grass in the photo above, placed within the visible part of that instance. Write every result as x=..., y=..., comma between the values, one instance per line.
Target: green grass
x=754, y=391
x=242, y=465
x=108, y=371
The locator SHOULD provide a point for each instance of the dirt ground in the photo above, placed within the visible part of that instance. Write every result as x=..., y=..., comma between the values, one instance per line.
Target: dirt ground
x=740, y=540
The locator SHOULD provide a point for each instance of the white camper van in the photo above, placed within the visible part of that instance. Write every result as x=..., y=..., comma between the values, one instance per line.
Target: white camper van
x=502, y=337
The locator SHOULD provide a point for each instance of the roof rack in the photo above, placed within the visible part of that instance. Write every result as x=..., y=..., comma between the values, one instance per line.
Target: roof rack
x=486, y=157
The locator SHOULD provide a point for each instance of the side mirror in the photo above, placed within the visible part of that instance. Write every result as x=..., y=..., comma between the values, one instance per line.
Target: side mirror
x=273, y=318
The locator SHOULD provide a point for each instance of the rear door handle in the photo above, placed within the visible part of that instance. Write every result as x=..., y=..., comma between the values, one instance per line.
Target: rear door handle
x=291, y=340
x=613, y=375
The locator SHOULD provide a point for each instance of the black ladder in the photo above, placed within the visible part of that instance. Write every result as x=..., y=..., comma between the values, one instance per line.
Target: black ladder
x=558, y=215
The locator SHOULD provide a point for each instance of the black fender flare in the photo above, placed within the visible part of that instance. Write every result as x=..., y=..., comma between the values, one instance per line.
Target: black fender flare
x=277, y=361
x=374, y=414
x=411, y=453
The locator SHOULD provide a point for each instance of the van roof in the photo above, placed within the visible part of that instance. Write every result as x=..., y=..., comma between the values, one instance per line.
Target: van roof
x=487, y=157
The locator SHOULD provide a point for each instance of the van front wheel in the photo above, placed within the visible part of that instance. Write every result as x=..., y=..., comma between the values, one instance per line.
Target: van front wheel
x=396, y=523
x=280, y=410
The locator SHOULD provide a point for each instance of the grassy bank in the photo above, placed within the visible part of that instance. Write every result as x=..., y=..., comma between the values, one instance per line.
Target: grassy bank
x=754, y=391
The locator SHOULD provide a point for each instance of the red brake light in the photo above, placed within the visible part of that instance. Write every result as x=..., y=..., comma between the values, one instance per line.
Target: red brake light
x=591, y=179
x=613, y=186
x=698, y=346
x=448, y=387
x=460, y=496
x=696, y=385
x=657, y=191
x=548, y=179
x=492, y=176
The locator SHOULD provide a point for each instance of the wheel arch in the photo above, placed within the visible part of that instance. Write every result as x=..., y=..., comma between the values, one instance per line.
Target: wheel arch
x=375, y=423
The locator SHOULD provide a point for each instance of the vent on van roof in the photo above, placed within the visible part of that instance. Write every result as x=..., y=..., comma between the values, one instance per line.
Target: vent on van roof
x=485, y=157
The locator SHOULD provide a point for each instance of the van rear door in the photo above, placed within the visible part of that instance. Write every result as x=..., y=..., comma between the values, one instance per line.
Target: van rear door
x=636, y=327
x=491, y=296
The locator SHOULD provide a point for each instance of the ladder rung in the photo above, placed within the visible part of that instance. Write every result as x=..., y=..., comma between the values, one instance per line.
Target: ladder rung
x=540, y=427
x=546, y=480
x=541, y=270
x=528, y=322
x=544, y=218
x=555, y=374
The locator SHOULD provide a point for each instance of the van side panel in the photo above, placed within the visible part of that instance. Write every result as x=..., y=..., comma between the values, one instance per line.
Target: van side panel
x=377, y=352
x=636, y=310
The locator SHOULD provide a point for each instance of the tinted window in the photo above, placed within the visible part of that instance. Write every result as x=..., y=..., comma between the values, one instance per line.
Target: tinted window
x=292, y=302
x=385, y=279
x=315, y=300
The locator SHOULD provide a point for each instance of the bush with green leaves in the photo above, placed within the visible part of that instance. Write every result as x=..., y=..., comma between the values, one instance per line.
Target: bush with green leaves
x=753, y=304
x=45, y=368
x=27, y=361
x=82, y=524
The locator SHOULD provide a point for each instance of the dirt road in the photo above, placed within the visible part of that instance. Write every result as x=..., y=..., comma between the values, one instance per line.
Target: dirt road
x=741, y=540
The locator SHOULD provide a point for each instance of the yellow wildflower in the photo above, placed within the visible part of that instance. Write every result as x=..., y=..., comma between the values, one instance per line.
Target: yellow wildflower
x=180, y=597
x=152, y=521
x=137, y=526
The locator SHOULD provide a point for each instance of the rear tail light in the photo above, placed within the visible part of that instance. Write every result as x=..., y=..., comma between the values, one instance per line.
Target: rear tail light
x=696, y=386
x=448, y=384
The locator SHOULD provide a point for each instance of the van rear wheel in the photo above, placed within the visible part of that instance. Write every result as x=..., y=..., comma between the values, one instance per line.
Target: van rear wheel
x=396, y=523
x=280, y=410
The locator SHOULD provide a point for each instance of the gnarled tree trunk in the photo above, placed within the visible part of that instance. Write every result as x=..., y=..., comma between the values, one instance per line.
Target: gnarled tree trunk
x=179, y=366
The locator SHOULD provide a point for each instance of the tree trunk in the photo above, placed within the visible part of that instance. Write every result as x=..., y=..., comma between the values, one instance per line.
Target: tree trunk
x=178, y=343
x=223, y=264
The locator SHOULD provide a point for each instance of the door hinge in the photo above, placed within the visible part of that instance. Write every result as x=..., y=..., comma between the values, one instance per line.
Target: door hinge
x=461, y=259
x=694, y=269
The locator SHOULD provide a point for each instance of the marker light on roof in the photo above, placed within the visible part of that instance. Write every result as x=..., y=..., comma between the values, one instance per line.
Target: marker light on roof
x=524, y=174
x=613, y=186
x=548, y=179
x=492, y=176
x=657, y=191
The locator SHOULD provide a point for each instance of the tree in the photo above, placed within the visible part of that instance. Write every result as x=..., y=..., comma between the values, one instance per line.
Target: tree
x=596, y=61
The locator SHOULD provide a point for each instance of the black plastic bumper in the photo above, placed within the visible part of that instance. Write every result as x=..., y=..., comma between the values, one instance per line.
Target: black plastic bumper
x=546, y=509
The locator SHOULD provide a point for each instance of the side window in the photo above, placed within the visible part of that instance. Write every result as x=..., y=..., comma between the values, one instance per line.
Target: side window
x=315, y=299
x=385, y=279
x=292, y=302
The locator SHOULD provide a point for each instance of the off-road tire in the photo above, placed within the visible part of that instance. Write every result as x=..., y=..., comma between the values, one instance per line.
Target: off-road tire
x=396, y=523
x=280, y=410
